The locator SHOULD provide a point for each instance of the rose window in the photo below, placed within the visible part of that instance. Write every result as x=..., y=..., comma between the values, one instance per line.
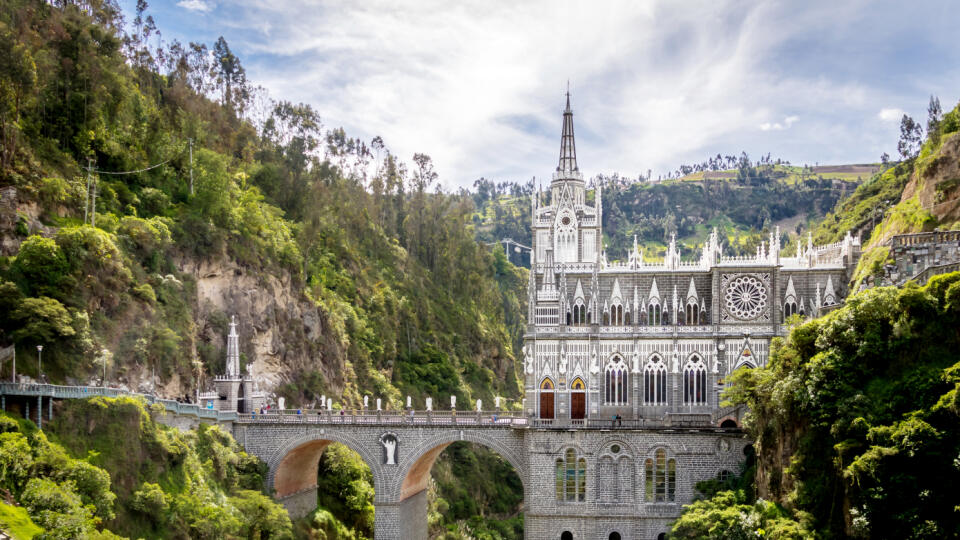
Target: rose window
x=746, y=297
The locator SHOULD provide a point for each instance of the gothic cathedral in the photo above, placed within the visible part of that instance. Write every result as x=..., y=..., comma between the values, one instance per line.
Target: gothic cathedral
x=649, y=342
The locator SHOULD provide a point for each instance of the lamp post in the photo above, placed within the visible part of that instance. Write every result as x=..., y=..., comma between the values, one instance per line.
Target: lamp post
x=40, y=362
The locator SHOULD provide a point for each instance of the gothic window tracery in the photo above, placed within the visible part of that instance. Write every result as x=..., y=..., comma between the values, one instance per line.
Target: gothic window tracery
x=571, y=477
x=579, y=313
x=661, y=478
x=565, y=235
x=692, y=312
x=695, y=381
x=616, y=314
x=653, y=312
x=615, y=382
x=616, y=474
x=655, y=382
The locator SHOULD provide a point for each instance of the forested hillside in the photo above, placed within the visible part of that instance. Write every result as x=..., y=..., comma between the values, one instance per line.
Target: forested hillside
x=744, y=204
x=149, y=194
x=364, y=274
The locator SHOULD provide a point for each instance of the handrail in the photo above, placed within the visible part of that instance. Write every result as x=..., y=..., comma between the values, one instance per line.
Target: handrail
x=413, y=417
x=80, y=392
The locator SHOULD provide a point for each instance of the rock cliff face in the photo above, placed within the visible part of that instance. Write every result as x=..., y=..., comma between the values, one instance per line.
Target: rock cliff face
x=937, y=182
x=281, y=330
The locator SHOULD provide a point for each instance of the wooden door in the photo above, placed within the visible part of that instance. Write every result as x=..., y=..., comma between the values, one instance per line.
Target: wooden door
x=578, y=405
x=546, y=404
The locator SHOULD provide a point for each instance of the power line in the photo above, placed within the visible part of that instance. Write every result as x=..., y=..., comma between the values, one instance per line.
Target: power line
x=133, y=172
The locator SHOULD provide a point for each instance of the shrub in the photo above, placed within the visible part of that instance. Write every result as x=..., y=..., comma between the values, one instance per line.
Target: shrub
x=41, y=267
x=151, y=501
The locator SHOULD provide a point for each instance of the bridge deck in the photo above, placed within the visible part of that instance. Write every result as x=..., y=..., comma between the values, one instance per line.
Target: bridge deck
x=493, y=419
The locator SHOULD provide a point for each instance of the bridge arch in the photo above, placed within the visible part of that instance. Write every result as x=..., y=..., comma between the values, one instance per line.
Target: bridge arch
x=295, y=464
x=414, y=475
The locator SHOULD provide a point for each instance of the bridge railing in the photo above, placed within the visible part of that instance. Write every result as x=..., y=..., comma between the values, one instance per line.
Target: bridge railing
x=78, y=392
x=668, y=421
x=361, y=417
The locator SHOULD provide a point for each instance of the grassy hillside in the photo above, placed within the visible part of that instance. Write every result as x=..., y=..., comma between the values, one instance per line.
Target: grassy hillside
x=918, y=194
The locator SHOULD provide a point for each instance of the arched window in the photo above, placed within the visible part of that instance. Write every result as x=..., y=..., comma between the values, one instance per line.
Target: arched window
x=695, y=381
x=693, y=312
x=661, y=478
x=615, y=382
x=579, y=313
x=789, y=308
x=616, y=315
x=565, y=249
x=655, y=382
x=571, y=479
x=653, y=313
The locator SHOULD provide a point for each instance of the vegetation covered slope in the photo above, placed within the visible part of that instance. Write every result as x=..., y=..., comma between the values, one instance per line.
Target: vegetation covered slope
x=362, y=276
x=745, y=206
x=104, y=467
x=349, y=273
x=918, y=194
x=855, y=418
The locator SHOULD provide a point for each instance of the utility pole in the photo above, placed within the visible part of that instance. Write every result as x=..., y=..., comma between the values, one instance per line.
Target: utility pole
x=93, y=207
x=191, y=165
x=86, y=201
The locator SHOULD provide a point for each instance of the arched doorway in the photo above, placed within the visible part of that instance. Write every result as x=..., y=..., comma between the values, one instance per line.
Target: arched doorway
x=546, y=399
x=614, y=536
x=567, y=535
x=729, y=423
x=578, y=399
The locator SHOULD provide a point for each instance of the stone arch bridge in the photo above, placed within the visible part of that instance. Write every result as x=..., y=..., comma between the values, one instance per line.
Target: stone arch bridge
x=618, y=489
x=399, y=448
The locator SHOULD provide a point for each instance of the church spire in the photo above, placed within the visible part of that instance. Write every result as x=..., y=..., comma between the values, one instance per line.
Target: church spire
x=233, y=350
x=567, y=168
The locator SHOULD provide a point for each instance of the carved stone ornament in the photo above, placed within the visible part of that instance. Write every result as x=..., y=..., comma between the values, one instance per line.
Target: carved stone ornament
x=389, y=443
x=745, y=297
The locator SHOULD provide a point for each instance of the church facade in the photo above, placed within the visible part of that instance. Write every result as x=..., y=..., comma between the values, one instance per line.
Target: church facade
x=624, y=362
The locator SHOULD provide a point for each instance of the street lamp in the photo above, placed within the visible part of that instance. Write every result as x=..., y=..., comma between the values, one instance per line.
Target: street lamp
x=40, y=362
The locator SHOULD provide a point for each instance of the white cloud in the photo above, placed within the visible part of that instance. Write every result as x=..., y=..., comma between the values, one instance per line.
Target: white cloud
x=890, y=114
x=778, y=126
x=479, y=86
x=195, y=5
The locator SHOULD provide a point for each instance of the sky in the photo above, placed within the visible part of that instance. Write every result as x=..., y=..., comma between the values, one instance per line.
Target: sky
x=479, y=86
